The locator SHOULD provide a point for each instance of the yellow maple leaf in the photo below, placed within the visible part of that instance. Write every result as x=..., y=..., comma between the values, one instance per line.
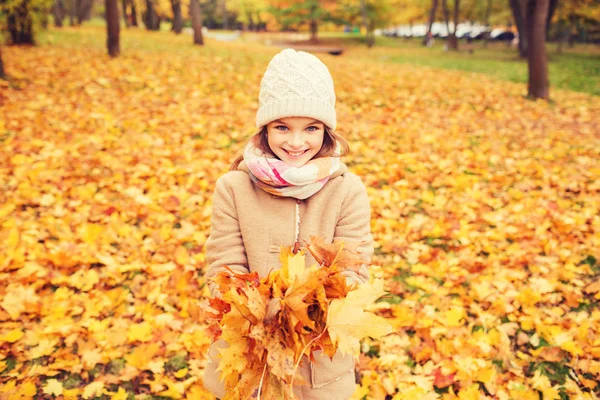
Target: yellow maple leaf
x=13, y=336
x=90, y=232
x=84, y=280
x=292, y=265
x=348, y=323
x=141, y=332
x=454, y=317
x=53, y=387
x=469, y=393
x=16, y=298
x=142, y=355
x=91, y=357
x=182, y=256
x=94, y=389
x=120, y=395
x=71, y=394
x=196, y=392
x=6, y=209
x=181, y=373
x=175, y=389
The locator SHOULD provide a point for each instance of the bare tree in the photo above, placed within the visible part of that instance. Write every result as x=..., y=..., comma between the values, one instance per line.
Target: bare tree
x=196, y=22
x=536, y=17
x=112, y=27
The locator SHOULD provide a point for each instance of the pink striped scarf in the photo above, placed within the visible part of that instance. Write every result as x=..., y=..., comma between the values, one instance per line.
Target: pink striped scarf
x=276, y=177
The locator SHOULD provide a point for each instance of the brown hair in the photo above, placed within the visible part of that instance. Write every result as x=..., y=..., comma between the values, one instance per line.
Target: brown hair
x=330, y=140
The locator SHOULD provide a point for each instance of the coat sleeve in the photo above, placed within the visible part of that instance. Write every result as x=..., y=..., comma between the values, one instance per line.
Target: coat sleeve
x=225, y=246
x=354, y=225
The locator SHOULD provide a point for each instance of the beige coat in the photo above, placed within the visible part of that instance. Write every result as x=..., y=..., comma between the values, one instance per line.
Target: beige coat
x=248, y=227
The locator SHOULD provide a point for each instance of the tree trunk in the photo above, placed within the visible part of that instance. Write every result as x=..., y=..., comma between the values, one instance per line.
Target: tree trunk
x=369, y=31
x=551, y=9
x=79, y=11
x=314, y=29
x=126, y=17
x=83, y=10
x=561, y=31
x=71, y=12
x=370, y=37
x=572, y=32
x=134, y=20
x=517, y=11
x=58, y=12
x=451, y=41
x=20, y=23
x=87, y=11
x=112, y=27
x=196, y=22
x=535, y=21
x=224, y=14
x=177, y=17
x=427, y=37
x=2, y=74
x=151, y=19
x=486, y=22
x=250, y=25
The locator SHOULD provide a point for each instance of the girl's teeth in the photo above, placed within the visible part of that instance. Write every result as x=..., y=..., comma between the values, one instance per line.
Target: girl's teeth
x=293, y=154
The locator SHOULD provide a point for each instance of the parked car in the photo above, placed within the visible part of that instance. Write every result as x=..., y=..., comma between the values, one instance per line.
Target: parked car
x=501, y=34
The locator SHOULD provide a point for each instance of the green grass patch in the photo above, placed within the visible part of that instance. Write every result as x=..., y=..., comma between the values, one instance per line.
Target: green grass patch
x=576, y=69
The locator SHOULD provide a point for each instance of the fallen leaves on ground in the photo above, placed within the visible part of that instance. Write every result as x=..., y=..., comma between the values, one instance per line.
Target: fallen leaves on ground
x=485, y=214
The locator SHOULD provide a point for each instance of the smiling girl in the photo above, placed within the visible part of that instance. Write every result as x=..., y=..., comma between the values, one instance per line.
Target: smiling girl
x=289, y=185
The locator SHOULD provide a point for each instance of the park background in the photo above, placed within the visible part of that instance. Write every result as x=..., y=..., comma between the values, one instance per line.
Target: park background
x=485, y=200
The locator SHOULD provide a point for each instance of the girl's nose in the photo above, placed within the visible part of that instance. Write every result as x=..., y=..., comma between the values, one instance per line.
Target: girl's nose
x=296, y=140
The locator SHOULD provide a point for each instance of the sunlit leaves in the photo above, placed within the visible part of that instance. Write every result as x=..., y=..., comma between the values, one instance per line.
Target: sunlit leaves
x=269, y=325
x=484, y=211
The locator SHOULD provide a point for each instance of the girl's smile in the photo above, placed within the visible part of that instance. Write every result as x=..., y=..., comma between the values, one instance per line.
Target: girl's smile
x=295, y=140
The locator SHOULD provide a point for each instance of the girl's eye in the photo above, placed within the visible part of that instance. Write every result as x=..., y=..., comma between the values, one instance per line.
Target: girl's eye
x=281, y=128
x=312, y=128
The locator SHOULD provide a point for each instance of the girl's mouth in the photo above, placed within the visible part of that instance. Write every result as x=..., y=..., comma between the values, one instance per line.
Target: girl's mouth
x=295, y=154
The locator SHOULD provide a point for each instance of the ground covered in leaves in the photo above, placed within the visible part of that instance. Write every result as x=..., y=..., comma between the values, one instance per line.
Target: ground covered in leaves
x=485, y=212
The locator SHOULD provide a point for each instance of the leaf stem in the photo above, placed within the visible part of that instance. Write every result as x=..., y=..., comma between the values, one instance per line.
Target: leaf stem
x=261, y=381
x=300, y=358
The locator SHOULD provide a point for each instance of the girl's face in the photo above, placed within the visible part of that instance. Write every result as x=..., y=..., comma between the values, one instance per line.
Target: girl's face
x=295, y=140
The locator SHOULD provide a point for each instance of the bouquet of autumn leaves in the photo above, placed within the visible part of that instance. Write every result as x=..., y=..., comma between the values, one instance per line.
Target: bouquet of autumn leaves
x=269, y=324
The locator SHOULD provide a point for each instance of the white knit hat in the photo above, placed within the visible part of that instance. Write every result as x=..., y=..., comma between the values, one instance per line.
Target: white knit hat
x=296, y=84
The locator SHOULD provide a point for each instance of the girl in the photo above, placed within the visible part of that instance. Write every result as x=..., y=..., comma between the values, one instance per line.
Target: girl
x=288, y=185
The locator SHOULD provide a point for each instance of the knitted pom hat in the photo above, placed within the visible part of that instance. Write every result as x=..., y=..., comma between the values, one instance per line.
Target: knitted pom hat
x=296, y=84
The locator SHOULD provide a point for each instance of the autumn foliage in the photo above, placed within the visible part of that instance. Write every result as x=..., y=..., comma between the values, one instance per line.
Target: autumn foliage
x=485, y=212
x=272, y=324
